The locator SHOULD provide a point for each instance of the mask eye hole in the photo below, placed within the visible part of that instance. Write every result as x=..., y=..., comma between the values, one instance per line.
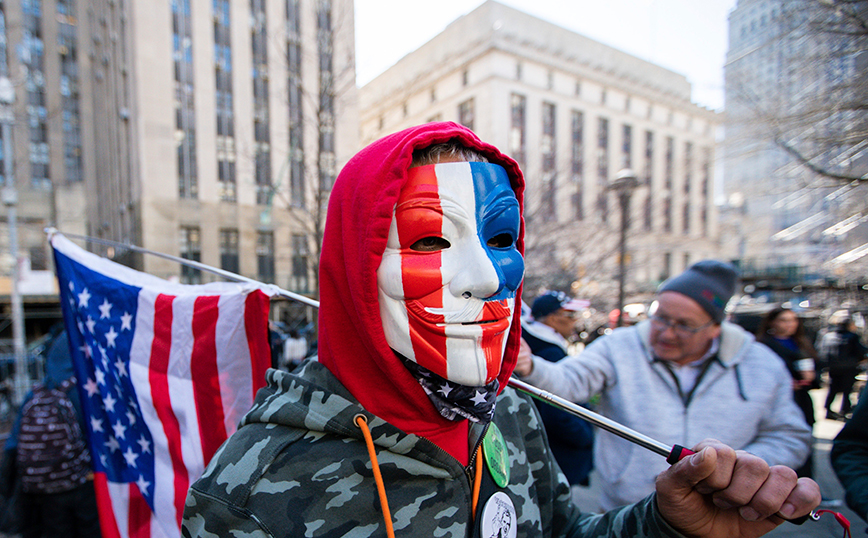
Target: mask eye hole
x=503, y=240
x=430, y=244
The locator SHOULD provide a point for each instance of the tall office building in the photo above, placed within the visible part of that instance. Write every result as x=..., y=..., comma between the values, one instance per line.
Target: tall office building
x=573, y=112
x=206, y=129
x=788, y=84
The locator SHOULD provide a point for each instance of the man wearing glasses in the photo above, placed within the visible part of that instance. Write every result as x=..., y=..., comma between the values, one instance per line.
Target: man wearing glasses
x=681, y=376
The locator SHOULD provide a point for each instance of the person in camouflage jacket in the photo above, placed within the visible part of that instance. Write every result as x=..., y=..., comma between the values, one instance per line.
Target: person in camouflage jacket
x=404, y=425
x=260, y=489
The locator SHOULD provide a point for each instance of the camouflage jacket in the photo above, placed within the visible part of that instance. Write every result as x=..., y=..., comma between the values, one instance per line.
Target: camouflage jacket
x=298, y=466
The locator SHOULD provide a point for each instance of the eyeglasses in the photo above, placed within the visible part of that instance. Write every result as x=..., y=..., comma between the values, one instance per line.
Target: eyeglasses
x=682, y=330
x=567, y=314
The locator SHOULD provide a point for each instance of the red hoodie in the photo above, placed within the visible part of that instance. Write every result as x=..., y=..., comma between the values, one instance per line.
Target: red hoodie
x=352, y=344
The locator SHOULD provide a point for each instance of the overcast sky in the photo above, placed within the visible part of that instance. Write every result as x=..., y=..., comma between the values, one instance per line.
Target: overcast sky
x=686, y=36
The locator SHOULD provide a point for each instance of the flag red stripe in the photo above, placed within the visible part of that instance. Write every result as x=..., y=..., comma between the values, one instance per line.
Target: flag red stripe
x=256, y=307
x=206, y=376
x=140, y=514
x=159, y=381
x=107, y=524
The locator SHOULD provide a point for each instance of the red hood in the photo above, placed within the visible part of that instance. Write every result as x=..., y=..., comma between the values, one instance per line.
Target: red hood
x=352, y=344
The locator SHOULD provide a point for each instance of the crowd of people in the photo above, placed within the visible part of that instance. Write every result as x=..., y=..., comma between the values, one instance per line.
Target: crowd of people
x=637, y=375
x=403, y=402
x=408, y=408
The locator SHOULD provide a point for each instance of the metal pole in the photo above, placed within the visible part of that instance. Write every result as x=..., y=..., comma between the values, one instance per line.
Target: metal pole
x=597, y=420
x=624, y=197
x=10, y=200
x=190, y=263
x=623, y=185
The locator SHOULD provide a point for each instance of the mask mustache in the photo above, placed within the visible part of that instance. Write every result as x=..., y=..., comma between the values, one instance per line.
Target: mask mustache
x=475, y=310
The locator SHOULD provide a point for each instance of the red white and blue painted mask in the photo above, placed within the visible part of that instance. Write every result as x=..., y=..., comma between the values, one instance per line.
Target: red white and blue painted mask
x=448, y=278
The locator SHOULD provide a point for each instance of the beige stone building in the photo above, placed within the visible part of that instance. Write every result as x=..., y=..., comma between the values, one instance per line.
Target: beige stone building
x=573, y=112
x=207, y=129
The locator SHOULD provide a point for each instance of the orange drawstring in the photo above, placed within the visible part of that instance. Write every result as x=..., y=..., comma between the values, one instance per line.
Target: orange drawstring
x=477, y=482
x=362, y=422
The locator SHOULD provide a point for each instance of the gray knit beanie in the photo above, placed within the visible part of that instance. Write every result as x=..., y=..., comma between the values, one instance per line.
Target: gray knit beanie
x=710, y=283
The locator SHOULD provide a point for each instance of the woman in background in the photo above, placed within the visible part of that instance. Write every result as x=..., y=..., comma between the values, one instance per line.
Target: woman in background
x=782, y=331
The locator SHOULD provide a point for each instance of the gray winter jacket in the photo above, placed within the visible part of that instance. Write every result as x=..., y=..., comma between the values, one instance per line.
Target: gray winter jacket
x=744, y=399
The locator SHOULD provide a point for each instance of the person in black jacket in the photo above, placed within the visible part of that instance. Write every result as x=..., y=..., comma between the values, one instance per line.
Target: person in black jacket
x=843, y=352
x=571, y=438
x=70, y=512
x=850, y=458
x=782, y=331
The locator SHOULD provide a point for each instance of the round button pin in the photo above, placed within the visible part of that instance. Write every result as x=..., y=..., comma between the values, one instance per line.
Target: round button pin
x=496, y=456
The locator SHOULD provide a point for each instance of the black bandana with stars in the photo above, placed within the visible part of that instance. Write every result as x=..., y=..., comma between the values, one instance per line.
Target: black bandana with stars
x=454, y=401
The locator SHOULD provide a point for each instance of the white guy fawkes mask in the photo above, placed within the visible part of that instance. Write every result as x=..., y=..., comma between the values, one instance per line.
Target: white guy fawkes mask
x=449, y=275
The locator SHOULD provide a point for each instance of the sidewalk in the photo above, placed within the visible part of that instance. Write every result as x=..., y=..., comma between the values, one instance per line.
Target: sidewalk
x=824, y=432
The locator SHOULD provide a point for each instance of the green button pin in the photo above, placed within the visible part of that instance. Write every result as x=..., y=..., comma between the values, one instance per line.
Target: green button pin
x=496, y=457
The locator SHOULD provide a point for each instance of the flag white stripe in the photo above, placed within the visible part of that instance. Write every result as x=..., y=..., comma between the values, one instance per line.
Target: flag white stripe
x=233, y=361
x=183, y=401
x=139, y=373
x=120, y=498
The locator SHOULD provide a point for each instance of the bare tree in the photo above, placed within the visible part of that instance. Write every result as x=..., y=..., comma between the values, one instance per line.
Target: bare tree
x=305, y=182
x=817, y=110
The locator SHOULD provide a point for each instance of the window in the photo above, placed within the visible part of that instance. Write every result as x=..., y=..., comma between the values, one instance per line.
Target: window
x=667, y=266
x=648, y=167
x=300, y=255
x=185, y=115
x=627, y=146
x=38, y=259
x=326, y=167
x=265, y=257
x=518, y=109
x=706, y=180
x=466, y=114
x=668, y=171
x=261, y=108
x=667, y=214
x=577, y=164
x=296, y=105
x=227, y=184
x=229, y=250
x=669, y=162
x=688, y=179
x=190, y=249
x=686, y=217
x=603, y=168
x=688, y=167
x=548, y=145
x=67, y=46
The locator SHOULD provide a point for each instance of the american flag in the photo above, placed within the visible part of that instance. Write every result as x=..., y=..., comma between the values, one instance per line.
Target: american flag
x=165, y=371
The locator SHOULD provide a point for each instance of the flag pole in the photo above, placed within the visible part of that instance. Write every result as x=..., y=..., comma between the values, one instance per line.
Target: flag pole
x=586, y=414
x=189, y=263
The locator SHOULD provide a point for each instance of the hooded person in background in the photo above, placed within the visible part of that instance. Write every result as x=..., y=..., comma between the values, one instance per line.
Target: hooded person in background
x=404, y=424
x=681, y=376
x=68, y=509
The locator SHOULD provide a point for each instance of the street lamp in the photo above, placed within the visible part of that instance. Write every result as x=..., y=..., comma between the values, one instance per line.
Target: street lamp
x=624, y=184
